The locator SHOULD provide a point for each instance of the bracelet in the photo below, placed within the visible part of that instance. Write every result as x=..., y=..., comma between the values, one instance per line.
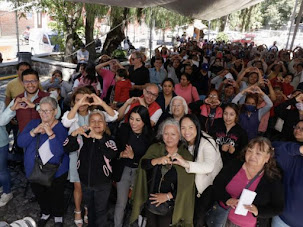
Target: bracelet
x=167, y=197
x=51, y=135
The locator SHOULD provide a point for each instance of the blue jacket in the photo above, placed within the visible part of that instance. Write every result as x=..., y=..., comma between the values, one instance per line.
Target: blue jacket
x=26, y=141
x=291, y=161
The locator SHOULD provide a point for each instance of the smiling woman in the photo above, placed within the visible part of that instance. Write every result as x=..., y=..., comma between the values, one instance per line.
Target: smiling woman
x=39, y=133
x=170, y=195
x=259, y=173
x=94, y=167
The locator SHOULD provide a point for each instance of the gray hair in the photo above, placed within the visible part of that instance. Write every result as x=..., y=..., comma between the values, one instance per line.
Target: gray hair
x=96, y=111
x=49, y=100
x=169, y=121
x=183, y=103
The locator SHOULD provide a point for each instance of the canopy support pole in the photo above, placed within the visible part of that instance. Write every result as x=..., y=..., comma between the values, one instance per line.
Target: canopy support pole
x=292, y=19
x=297, y=25
x=17, y=26
x=208, y=30
x=150, y=33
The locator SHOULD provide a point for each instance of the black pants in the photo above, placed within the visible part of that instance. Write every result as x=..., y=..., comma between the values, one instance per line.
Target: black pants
x=202, y=205
x=51, y=199
x=96, y=200
x=154, y=220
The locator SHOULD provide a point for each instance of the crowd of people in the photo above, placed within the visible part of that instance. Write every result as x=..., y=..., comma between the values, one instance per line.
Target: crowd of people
x=183, y=138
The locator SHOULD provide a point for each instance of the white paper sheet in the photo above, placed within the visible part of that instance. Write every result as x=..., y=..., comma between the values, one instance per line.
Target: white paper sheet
x=45, y=152
x=247, y=197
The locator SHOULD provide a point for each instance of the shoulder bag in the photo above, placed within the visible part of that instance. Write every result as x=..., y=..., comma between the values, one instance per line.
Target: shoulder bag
x=43, y=174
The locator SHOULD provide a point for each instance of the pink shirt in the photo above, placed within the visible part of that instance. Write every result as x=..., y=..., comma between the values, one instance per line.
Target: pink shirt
x=189, y=93
x=235, y=188
x=108, y=80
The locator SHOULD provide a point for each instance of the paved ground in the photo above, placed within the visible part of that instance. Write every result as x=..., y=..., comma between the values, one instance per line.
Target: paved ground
x=22, y=205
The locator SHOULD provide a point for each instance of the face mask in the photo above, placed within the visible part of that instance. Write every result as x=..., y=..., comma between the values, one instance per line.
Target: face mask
x=250, y=108
x=54, y=94
x=299, y=105
x=56, y=80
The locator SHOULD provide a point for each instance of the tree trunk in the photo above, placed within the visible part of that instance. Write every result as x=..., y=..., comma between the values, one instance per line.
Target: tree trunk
x=247, y=24
x=89, y=33
x=223, y=21
x=115, y=37
x=69, y=48
x=244, y=14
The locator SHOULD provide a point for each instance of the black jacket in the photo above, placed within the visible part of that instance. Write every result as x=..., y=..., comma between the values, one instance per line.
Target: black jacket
x=94, y=159
x=291, y=118
x=270, y=193
x=236, y=136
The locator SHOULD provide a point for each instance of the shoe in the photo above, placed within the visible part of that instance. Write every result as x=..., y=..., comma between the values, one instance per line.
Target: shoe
x=5, y=198
x=42, y=222
x=58, y=224
x=85, y=215
x=78, y=222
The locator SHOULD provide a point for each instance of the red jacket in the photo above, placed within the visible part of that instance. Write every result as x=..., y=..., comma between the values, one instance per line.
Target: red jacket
x=24, y=116
x=122, y=90
x=152, y=108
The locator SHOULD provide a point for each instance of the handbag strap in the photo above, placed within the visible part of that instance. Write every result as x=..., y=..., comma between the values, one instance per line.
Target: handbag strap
x=37, y=150
x=37, y=145
x=252, y=180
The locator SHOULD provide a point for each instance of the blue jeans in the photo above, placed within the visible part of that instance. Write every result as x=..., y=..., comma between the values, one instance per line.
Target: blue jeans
x=5, y=178
x=278, y=222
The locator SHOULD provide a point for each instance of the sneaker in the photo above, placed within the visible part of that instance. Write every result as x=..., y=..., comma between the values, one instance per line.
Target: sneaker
x=5, y=198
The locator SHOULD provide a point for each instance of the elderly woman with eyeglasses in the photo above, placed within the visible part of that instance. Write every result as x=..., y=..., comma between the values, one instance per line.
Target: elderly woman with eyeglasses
x=47, y=134
x=166, y=190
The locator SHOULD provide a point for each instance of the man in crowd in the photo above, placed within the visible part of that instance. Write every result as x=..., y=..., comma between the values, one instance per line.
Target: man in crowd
x=158, y=73
x=138, y=74
x=25, y=104
x=148, y=99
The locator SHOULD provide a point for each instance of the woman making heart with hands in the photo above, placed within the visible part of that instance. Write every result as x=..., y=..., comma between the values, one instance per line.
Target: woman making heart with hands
x=93, y=163
x=250, y=116
x=210, y=110
x=82, y=100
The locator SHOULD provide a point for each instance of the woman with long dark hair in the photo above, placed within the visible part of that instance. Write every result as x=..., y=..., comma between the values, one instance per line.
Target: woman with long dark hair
x=229, y=135
x=133, y=140
x=206, y=164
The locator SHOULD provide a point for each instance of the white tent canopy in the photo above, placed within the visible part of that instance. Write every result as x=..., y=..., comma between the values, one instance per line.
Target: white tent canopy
x=199, y=9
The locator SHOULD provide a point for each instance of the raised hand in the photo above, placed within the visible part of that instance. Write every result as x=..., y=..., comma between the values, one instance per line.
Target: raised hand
x=81, y=131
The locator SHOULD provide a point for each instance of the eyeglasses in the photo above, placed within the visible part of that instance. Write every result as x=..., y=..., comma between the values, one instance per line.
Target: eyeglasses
x=151, y=94
x=30, y=81
x=212, y=96
x=45, y=111
x=298, y=128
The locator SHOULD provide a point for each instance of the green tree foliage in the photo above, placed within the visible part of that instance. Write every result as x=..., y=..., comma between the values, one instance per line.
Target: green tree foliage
x=276, y=12
x=68, y=17
x=164, y=18
x=269, y=13
x=222, y=37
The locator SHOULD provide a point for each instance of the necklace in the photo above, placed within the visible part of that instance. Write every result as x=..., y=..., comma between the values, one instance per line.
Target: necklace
x=137, y=134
